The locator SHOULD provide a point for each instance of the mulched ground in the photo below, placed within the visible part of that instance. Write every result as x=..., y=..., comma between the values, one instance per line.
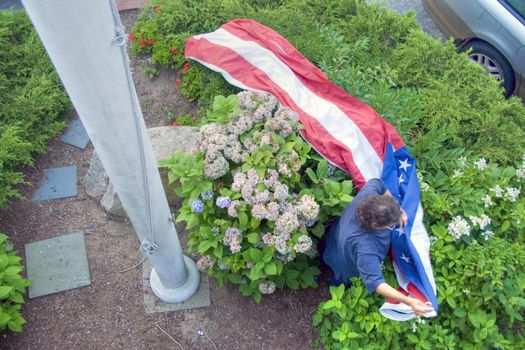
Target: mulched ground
x=109, y=314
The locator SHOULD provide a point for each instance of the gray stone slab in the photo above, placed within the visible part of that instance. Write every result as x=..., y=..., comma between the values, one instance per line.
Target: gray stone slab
x=76, y=135
x=11, y=5
x=58, y=183
x=57, y=264
x=153, y=304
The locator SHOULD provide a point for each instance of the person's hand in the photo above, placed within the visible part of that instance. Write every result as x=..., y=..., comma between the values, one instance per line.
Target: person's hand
x=419, y=307
x=404, y=218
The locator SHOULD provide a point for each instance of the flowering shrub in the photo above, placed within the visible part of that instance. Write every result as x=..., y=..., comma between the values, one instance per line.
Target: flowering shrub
x=475, y=215
x=250, y=205
x=477, y=201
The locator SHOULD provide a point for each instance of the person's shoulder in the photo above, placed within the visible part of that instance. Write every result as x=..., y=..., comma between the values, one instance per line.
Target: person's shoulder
x=375, y=185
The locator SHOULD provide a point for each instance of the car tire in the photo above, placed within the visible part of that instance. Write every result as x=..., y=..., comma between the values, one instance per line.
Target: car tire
x=493, y=61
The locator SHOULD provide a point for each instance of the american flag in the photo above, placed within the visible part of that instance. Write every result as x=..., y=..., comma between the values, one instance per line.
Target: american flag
x=345, y=130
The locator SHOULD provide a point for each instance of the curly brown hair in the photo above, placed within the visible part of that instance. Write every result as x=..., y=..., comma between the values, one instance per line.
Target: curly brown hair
x=378, y=211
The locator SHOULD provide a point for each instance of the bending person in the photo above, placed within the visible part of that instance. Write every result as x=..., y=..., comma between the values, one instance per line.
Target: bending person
x=358, y=242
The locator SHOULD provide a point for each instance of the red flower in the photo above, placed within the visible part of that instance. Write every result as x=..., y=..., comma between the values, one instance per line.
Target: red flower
x=130, y=36
x=173, y=50
x=157, y=9
x=151, y=41
x=143, y=43
x=186, y=66
x=177, y=81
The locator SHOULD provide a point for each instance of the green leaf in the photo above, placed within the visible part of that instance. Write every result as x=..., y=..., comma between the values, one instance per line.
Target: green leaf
x=253, y=237
x=255, y=223
x=271, y=269
x=330, y=304
x=460, y=312
x=253, y=255
x=4, y=291
x=243, y=220
x=322, y=168
x=317, y=318
x=205, y=245
x=318, y=230
x=312, y=175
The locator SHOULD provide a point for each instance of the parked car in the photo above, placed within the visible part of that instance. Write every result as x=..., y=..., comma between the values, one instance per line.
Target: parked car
x=494, y=30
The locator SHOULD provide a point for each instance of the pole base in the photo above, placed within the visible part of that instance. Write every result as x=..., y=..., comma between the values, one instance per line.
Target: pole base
x=184, y=292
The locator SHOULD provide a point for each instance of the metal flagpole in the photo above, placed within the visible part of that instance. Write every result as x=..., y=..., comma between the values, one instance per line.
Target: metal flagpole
x=87, y=45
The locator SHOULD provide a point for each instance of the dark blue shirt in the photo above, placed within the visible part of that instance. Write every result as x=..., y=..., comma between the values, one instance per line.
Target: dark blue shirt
x=352, y=250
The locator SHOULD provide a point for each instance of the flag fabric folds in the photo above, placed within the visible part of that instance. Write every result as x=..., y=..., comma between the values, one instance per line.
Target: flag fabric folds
x=346, y=131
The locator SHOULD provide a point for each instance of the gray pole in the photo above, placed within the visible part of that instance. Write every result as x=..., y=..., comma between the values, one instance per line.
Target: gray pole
x=87, y=45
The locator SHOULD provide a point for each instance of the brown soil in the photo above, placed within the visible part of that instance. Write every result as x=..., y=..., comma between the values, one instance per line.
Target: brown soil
x=110, y=314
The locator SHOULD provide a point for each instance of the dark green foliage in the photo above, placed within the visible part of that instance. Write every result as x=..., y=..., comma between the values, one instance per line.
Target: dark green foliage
x=417, y=83
x=31, y=99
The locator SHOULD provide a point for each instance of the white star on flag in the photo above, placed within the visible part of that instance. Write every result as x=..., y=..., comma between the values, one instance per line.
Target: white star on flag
x=404, y=164
x=406, y=258
x=400, y=231
x=401, y=178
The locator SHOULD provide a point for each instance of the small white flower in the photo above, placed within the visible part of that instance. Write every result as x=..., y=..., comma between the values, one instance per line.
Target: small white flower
x=487, y=234
x=483, y=221
x=498, y=191
x=466, y=291
x=512, y=194
x=487, y=201
x=457, y=173
x=481, y=164
x=424, y=187
x=414, y=327
x=462, y=161
x=433, y=239
x=459, y=227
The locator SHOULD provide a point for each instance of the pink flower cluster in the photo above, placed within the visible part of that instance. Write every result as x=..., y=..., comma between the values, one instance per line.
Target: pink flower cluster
x=267, y=287
x=288, y=164
x=284, y=122
x=204, y=263
x=259, y=104
x=304, y=244
x=233, y=238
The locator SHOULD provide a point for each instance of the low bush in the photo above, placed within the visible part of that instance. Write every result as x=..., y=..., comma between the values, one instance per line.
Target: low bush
x=32, y=100
x=255, y=198
x=12, y=287
x=476, y=217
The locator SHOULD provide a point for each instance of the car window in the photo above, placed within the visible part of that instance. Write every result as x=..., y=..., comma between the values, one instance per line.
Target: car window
x=517, y=7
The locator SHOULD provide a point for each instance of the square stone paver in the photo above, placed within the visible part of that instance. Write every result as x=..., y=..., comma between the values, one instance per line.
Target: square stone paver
x=201, y=298
x=76, y=135
x=57, y=264
x=58, y=183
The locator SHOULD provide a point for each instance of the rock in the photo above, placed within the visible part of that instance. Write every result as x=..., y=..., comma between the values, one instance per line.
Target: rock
x=165, y=141
x=112, y=203
x=96, y=179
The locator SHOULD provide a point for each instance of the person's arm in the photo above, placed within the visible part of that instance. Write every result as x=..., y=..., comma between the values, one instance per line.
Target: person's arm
x=417, y=306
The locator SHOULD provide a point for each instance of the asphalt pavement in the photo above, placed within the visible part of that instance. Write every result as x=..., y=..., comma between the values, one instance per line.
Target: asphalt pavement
x=402, y=6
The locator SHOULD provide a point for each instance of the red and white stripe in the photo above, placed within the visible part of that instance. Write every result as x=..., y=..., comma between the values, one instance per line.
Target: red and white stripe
x=336, y=124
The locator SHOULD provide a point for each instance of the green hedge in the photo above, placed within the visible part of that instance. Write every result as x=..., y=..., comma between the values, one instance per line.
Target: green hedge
x=416, y=82
x=32, y=100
